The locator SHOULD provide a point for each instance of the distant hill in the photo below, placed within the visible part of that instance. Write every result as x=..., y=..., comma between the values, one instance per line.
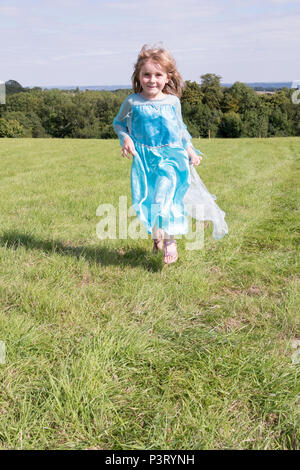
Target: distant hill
x=264, y=86
x=89, y=87
x=12, y=86
x=259, y=86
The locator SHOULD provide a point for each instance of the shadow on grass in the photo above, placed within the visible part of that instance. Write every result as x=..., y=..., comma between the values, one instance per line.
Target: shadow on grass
x=103, y=255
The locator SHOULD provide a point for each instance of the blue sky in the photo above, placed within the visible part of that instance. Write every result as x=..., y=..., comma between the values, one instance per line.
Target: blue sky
x=96, y=42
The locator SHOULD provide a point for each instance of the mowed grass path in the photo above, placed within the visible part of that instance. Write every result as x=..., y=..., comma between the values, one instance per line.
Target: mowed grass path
x=107, y=348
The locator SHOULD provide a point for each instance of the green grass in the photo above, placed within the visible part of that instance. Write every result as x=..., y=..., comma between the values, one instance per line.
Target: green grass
x=107, y=348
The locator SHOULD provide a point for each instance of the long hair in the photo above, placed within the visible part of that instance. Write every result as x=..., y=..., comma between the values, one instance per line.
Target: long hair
x=163, y=57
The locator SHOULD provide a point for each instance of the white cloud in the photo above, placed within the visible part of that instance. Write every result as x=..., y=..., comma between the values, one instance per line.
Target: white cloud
x=283, y=2
x=269, y=29
x=85, y=54
x=9, y=11
x=98, y=41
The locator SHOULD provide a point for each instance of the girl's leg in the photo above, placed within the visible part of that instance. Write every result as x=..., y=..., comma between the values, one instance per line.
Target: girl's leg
x=170, y=254
x=163, y=239
x=158, y=238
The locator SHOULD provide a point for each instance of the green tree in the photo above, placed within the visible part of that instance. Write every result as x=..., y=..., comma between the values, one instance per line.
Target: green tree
x=229, y=103
x=11, y=128
x=212, y=90
x=30, y=122
x=231, y=125
x=263, y=117
x=206, y=108
x=26, y=102
x=12, y=86
x=192, y=93
x=58, y=113
x=245, y=97
x=280, y=123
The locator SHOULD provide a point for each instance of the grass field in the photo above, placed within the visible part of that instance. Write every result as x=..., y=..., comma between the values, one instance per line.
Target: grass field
x=106, y=347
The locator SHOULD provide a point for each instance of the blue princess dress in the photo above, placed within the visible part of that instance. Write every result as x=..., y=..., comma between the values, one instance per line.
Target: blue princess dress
x=165, y=186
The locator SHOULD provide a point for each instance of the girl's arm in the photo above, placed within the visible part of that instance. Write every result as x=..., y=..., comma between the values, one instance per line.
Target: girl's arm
x=193, y=153
x=120, y=121
x=121, y=128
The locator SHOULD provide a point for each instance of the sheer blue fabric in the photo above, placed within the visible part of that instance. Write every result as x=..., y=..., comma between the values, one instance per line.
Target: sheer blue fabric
x=165, y=187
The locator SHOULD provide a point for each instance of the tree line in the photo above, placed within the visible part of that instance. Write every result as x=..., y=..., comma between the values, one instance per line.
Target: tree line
x=208, y=109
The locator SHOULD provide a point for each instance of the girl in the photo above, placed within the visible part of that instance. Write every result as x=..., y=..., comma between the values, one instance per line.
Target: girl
x=163, y=180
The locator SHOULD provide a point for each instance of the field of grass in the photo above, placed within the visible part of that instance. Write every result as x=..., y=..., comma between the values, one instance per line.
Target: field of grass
x=108, y=348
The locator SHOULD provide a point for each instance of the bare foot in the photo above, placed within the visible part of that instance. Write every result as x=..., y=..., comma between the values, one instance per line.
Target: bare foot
x=158, y=241
x=157, y=245
x=171, y=254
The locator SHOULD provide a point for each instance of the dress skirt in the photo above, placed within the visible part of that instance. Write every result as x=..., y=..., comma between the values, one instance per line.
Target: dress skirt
x=166, y=188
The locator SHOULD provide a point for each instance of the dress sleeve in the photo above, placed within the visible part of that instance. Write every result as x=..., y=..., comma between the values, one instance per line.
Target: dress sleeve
x=121, y=121
x=185, y=135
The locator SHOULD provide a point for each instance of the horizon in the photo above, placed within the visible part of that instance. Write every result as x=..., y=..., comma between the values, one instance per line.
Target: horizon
x=129, y=86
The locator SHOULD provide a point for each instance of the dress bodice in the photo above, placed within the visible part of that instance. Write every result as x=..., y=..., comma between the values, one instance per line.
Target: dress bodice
x=154, y=123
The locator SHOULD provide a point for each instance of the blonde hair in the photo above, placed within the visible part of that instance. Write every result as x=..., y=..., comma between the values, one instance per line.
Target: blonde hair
x=163, y=57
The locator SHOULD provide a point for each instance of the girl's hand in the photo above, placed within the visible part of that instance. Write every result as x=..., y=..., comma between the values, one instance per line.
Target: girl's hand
x=195, y=159
x=128, y=147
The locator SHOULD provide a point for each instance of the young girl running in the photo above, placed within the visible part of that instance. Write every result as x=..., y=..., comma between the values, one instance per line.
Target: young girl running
x=164, y=184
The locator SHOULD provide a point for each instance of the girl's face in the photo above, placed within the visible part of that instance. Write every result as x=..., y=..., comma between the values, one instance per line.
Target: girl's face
x=153, y=79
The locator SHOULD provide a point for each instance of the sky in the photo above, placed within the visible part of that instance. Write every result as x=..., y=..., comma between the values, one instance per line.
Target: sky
x=96, y=42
